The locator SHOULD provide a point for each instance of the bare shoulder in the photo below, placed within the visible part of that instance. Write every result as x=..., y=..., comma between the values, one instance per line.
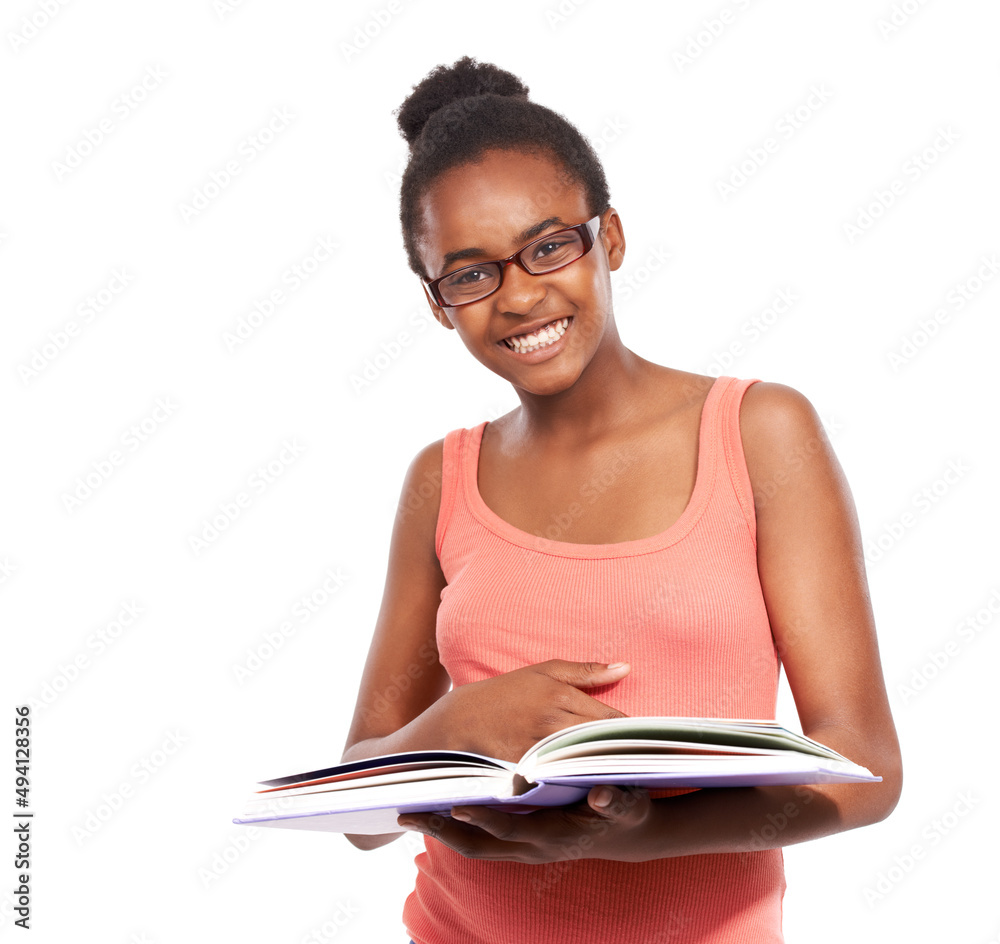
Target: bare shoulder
x=784, y=442
x=427, y=463
x=431, y=452
x=775, y=410
x=774, y=416
x=420, y=496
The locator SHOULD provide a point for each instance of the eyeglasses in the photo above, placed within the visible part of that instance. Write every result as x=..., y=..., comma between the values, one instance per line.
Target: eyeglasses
x=473, y=283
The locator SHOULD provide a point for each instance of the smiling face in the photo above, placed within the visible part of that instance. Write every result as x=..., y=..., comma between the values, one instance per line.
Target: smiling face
x=488, y=210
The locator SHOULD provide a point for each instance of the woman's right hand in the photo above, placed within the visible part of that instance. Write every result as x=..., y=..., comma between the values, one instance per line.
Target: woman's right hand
x=506, y=715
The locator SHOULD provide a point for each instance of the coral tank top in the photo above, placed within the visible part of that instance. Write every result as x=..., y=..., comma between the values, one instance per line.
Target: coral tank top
x=685, y=608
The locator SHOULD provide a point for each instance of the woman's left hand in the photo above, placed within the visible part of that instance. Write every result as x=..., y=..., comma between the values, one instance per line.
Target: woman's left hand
x=611, y=823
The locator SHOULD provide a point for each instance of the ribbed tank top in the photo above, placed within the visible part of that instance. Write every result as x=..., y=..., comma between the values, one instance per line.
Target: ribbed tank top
x=685, y=608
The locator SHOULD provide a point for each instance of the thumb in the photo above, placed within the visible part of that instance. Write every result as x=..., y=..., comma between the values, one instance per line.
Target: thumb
x=585, y=674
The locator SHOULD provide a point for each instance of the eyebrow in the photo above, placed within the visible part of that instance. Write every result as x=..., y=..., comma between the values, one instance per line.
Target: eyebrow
x=523, y=237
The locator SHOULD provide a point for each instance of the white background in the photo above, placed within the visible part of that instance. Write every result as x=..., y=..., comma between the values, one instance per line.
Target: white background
x=675, y=109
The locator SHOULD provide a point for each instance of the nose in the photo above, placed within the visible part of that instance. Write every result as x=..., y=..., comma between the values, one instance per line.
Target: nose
x=519, y=291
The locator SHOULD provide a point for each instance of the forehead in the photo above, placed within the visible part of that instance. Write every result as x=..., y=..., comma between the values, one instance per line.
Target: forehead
x=488, y=203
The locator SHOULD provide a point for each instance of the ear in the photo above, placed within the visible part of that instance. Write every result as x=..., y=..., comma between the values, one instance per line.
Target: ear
x=437, y=310
x=614, y=239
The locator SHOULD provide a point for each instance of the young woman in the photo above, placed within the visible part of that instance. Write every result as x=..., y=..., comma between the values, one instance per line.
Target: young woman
x=633, y=539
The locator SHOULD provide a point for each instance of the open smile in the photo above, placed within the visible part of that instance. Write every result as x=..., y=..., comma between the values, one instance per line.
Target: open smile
x=547, y=338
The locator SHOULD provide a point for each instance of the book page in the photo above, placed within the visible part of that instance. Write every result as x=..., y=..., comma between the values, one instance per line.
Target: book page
x=748, y=734
x=446, y=758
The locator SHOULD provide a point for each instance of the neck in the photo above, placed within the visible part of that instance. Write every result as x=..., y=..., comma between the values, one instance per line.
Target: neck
x=605, y=396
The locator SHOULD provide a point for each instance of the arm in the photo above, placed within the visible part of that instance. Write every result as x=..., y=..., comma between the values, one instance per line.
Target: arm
x=811, y=567
x=389, y=715
x=404, y=702
x=812, y=573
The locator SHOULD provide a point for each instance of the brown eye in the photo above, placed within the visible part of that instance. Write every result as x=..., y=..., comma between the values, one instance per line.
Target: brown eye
x=553, y=252
x=468, y=277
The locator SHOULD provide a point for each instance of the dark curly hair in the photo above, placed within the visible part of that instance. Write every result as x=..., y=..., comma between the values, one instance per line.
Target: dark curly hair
x=458, y=112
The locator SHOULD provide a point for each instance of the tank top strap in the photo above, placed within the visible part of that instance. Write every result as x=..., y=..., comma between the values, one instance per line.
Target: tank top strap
x=725, y=425
x=722, y=477
x=451, y=481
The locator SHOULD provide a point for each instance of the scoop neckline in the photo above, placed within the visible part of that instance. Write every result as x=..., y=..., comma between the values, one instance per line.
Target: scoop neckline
x=704, y=480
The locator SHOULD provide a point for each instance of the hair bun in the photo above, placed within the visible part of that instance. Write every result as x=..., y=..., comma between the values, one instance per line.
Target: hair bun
x=446, y=84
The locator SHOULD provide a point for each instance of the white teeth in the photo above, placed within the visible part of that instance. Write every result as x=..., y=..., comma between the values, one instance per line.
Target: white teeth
x=542, y=337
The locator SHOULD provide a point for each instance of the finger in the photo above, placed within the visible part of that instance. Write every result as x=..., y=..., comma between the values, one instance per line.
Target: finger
x=599, y=710
x=505, y=826
x=584, y=674
x=628, y=806
x=426, y=823
x=545, y=835
x=588, y=708
x=466, y=839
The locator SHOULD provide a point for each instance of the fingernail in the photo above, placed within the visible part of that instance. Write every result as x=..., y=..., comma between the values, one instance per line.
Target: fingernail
x=603, y=797
x=617, y=665
x=462, y=815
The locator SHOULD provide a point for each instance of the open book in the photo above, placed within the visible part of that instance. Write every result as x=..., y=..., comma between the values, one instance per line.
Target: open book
x=366, y=796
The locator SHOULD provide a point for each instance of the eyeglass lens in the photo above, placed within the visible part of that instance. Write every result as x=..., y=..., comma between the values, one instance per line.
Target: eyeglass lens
x=474, y=282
